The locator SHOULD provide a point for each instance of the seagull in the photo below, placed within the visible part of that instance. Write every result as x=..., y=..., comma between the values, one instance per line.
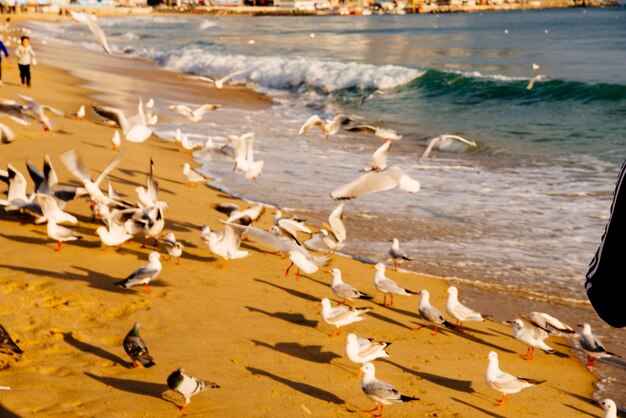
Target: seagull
x=371, y=96
x=134, y=128
x=50, y=210
x=251, y=167
x=345, y=290
x=430, y=313
x=47, y=182
x=224, y=244
x=386, y=134
x=593, y=346
x=549, y=323
x=535, y=67
x=382, y=393
x=445, y=143
x=397, y=254
x=379, y=158
x=32, y=110
x=194, y=115
x=243, y=217
x=335, y=220
x=80, y=113
x=364, y=350
x=341, y=315
x=60, y=234
x=373, y=182
x=323, y=241
x=7, y=345
x=143, y=274
x=538, y=77
x=458, y=311
x=532, y=336
x=174, y=248
x=220, y=82
x=136, y=348
x=187, y=386
x=116, y=141
x=388, y=286
x=609, y=407
x=149, y=104
x=192, y=176
x=503, y=382
x=328, y=127
x=6, y=134
x=115, y=233
x=290, y=226
x=17, y=199
x=92, y=23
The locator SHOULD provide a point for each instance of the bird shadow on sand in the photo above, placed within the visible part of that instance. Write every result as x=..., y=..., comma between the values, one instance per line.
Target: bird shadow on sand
x=5, y=413
x=292, y=292
x=484, y=411
x=388, y=320
x=580, y=411
x=138, y=387
x=477, y=340
x=454, y=384
x=92, y=349
x=311, y=353
x=293, y=318
x=579, y=397
x=304, y=388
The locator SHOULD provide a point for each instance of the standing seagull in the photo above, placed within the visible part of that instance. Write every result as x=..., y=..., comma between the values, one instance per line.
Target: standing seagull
x=458, y=311
x=187, y=386
x=345, y=290
x=144, y=274
x=505, y=383
x=532, y=336
x=136, y=348
x=430, y=313
x=224, y=244
x=7, y=345
x=382, y=393
x=92, y=23
x=340, y=315
x=60, y=234
x=192, y=176
x=80, y=113
x=397, y=254
x=388, y=286
x=364, y=350
x=174, y=248
x=593, y=346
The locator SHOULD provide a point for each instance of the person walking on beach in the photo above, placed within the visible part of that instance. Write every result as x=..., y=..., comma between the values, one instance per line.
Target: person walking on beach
x=3, y=49
x=25, y=57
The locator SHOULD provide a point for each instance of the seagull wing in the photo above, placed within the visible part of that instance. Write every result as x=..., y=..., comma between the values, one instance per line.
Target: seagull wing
x=206, y=108
x=369, y=183
x=182, y=109
x=231, y=75
x=335, y=221
x=381, y=390
x=110, y=167
x=379, y=158
x=367, y=129
x=114, y=114
x=17, y=185
x=98, y=33
x=312, y=121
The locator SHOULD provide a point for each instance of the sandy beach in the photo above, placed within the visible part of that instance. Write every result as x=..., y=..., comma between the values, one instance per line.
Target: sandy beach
x=255, y=332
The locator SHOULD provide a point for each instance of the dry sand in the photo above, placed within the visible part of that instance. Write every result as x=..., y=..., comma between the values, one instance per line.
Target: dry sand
x=250, y=329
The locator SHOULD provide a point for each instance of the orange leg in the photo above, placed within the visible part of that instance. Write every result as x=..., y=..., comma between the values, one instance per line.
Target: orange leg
x=288, y=268
x=503, y=400
x=135, y=365
x=529, y=353
x=420, y=327
x=391, y=304
x=591, y=361
x=384, y=299
x=395, y=266
x=146, y=288
x=435, y=333
x=371, y=410
x=381, y=412
x=335, y=332
x=225, y=264
x=298, y=275
x=58, y=248
x=169, y=257
x=177, y=261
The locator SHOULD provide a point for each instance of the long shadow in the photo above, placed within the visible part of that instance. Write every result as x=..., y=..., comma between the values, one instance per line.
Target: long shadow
x=5, y=413
x=312, y=353
x=388, y=320
x=580, y=411
x=92, y=349
x=138, y=387
x=292, y=292
x=484, y=411
x=454, y=384
x=580, y=397
x=483, y=342
x=293, y=318
x=304, y=388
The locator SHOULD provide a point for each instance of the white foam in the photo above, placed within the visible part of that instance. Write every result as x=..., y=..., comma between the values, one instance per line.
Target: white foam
x=206, y=24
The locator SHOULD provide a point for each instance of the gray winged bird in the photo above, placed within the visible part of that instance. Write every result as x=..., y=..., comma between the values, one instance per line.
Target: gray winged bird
x=382, y=393
x=430, y=313
x=397, y=254
x=503, y=382
x=593, y=346
x=344, y=290
x=188, y=386
x=134, y=128
x=143, y=274
x=136, y=348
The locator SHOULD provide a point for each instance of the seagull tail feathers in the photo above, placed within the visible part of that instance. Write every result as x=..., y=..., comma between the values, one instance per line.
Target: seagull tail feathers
x=404, y=398
x=532, y=381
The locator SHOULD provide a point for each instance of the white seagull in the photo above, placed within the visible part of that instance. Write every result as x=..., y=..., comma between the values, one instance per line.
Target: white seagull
x=174, y=248
x=80, y=113
x=60, y=234
x=328, y=127
x=382, y=393
x=538, y=77
x=430, y=313
x=134, y=128
x=92, y=23
x=50, y=210
x=337, y=227
x=379, y=158
x=386, y=134
x=458, y=311
x=610, y=409
x=364, y=350
x=224, y=244
x=373, y=182
x=446, y=143
x=340, y=315
x=388, y=286
x=549, y=323
x=6, y=134
x=221, y=82
x=344, y=290
x=194, y=115
x=192, y=176
x=593, y=346
x=532, y=336
x=397, y=254
x=505, y=383
x=116, y=141
x=144, y=274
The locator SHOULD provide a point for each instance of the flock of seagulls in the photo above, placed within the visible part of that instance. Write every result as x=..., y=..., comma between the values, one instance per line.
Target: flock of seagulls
x=122, y=221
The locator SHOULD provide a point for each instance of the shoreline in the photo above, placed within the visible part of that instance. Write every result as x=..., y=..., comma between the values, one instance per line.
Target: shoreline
x=270, y=313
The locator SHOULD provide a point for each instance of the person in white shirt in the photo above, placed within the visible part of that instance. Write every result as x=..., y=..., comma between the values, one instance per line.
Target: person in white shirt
x=25, y=57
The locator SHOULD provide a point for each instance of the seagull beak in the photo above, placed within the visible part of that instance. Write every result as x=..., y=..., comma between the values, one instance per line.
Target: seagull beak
x=327, y=271
x=508, y=322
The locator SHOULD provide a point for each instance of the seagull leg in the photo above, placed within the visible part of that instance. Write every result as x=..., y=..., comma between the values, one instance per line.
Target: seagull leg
x=134, y=365
x=420, y=327
x=225, y=264
x=359, y=374
x=370, y=410
x=58, y=248
x=146, y=288
x=395, y=265
x=391, y=304
x=298, y=275
x=177, y=261
x=384, y=299
x=435, y=333
x=335, y=332
x=529, y=354
x=169, y=257
x=503, y=400
x=590, y=360
x=288, y=268
x=145, y=240
x=381, y=412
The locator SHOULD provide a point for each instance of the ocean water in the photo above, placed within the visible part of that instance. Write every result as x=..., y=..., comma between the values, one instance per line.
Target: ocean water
x=524, y=211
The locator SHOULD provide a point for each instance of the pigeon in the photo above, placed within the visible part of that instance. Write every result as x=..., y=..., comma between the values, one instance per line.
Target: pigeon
x=458, y=311
x=144, y=274
x=340, y=315
x=430, y=313
x=505, y=383
x=187, y=386
x=344, y=290
x=593, y=346
x=533, y=336
x=388, y=286
x=7, y=345
x=397, y=254
x=136, y=348
x=174, y=248
x=382, y=393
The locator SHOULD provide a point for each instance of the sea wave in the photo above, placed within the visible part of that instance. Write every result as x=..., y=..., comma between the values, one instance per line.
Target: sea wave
x=277, y=72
